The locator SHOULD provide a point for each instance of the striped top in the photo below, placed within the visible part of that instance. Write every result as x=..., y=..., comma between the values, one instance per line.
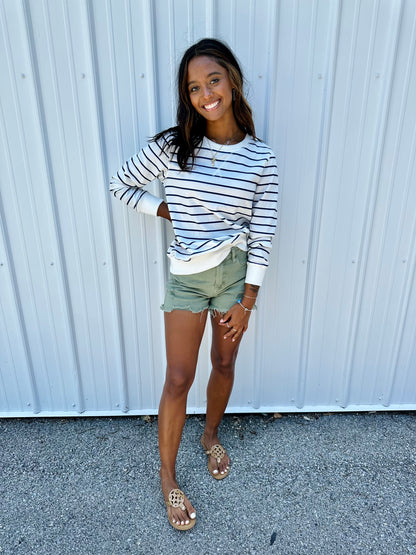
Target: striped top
x=218, y=204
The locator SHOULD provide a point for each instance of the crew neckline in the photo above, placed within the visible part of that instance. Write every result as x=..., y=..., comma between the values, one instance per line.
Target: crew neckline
x=227, y=148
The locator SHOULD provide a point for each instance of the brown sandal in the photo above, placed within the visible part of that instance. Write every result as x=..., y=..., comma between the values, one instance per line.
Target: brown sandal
x=176, y=499
x=218, y=452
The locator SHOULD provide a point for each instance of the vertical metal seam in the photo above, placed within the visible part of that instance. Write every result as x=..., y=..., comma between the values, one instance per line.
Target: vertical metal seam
x=151, y=50
x=37, y=237
x=18, y=301
x=209, y=18
x=172, y=50
x=127, y=220
x=411, y=268
x=58, y=231
x=119, y=142
x=355, y=311
x=260, y=322
x=376, y=168
x=319, y=188
x=77, y=121
x=110, y=237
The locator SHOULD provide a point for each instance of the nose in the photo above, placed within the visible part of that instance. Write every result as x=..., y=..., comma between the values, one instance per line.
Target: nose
x=206, y=91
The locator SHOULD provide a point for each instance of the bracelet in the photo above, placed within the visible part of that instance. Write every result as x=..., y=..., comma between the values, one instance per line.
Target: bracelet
x=247, y=297
x=245, y=308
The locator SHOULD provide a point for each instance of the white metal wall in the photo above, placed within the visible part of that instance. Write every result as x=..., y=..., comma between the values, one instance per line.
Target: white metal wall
x=333, y=87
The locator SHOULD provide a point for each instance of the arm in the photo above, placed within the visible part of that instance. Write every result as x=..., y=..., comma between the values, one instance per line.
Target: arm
x=163, y=211
x=262, y=228
x=236, y=319
x=127, y=184
x=263, y=223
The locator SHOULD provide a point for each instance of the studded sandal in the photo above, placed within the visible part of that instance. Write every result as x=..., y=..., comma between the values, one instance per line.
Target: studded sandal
x=218, y=452
x=176, y=500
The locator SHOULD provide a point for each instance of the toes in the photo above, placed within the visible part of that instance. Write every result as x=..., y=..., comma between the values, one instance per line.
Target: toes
x=221, y=468
x=179, y=517
x=183, y=518
x=189, y=509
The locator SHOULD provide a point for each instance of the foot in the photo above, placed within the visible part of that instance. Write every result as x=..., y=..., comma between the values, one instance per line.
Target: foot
x=221, y=468
x=177, y=517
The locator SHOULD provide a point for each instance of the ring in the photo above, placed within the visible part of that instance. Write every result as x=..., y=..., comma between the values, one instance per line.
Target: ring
x=228, y=325
x=234, y=329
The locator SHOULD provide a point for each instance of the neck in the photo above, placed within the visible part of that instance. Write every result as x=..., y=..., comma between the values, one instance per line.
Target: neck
x=226, y=138
x=224, y=134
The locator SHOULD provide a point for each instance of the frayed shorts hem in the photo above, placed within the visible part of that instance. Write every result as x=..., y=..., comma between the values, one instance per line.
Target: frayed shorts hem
x=212, y=310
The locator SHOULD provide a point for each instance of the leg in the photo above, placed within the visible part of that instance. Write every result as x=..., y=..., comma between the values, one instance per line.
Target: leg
x=183, y=333
x=223, y=357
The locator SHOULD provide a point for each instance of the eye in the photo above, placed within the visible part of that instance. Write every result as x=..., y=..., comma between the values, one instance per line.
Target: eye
x=193, y=89
x=215, y=80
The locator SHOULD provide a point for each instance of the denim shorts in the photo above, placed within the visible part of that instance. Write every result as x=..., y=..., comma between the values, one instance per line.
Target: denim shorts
x=216, y=289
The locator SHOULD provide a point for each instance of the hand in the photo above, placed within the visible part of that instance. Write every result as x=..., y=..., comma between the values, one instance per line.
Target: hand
x=163, y=211
x=236, y=320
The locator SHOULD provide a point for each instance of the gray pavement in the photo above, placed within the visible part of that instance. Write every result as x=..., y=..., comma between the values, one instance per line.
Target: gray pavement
x=301, y=484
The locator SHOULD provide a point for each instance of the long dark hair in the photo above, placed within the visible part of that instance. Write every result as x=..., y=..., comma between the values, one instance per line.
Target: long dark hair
x=190, y=129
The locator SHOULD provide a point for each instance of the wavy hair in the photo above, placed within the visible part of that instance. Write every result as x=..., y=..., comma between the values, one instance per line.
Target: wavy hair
x=187, y=135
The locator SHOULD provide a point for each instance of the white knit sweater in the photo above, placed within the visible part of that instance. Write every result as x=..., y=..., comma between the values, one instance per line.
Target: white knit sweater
x=214, y=206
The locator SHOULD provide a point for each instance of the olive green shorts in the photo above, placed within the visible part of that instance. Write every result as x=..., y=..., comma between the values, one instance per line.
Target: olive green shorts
x=216, y=289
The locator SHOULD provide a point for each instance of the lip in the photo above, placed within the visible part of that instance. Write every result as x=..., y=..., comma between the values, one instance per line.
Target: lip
x=212, y=106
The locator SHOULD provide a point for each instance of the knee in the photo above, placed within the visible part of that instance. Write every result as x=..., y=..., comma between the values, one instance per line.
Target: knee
x=178, y=381
x=223, y=364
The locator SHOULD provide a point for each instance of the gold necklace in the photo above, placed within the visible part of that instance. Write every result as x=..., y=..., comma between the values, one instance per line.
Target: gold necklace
x=215, y=154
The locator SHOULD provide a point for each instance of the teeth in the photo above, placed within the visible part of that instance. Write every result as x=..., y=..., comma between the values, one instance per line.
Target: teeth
x=211, y=106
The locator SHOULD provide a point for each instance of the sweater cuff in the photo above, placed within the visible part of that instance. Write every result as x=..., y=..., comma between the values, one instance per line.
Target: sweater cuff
x=255, y=274
x=149, y=204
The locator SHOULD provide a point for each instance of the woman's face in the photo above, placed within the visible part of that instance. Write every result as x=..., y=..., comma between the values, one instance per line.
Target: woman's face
x=210, y=89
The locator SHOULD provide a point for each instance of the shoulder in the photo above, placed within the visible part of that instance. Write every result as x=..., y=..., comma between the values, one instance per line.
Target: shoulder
x=166, y=140
x=260, y=151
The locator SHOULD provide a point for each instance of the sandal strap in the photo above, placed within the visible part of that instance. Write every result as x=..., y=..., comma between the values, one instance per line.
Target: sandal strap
x=176, y=499
x=217, y=451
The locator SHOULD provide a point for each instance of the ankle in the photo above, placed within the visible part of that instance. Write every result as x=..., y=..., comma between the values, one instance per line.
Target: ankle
x=167, y=475
x=210, y=435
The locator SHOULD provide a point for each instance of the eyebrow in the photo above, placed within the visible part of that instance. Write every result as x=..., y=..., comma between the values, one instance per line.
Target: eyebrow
x=209, y=75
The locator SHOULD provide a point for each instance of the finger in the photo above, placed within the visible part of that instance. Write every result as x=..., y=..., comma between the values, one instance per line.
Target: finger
x=230, y=333
x=225, y=318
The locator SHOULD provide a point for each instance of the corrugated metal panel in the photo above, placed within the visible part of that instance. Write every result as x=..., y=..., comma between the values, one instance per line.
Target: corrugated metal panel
x=85, y=82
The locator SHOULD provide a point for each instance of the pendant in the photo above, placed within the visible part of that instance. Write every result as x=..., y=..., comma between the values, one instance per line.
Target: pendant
x=213, y=161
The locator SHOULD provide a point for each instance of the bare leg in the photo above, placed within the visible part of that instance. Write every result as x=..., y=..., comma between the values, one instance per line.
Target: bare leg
x=183, y=333
x=223, y=357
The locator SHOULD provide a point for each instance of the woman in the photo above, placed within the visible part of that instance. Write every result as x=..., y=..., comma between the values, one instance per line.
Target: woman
x=220, y=183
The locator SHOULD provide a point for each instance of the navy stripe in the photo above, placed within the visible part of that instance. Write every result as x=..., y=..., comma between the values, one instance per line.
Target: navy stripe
x=151, y=162
x=216, y=202
x=211, y=192
x=144, y=178
x=209, y=206
x=131, y=173
x=157, y=157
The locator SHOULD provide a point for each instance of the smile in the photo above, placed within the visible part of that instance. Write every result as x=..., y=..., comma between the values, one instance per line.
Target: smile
x=212, y=106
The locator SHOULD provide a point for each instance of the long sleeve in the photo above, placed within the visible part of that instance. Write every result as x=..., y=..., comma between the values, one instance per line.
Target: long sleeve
x=149, y=164
x=263, y=223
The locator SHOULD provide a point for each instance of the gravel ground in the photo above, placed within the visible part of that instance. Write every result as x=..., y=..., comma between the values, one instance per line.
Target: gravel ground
x=300, y=484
